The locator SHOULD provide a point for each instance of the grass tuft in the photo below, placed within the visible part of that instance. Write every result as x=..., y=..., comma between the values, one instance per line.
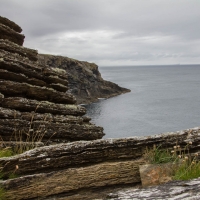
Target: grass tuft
x=158, y=155
x=186, y=166
x=2, y=193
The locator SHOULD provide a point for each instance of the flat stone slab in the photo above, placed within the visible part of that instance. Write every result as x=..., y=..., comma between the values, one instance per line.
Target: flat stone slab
x=176, y=190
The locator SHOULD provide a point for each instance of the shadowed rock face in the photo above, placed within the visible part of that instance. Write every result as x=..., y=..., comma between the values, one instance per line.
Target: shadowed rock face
x=85, y=81
x=34, y=97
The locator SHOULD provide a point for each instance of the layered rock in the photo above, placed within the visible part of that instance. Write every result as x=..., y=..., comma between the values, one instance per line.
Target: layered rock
x=64, y=170
x=34, y=98
x=85, y=81
x=11, y=31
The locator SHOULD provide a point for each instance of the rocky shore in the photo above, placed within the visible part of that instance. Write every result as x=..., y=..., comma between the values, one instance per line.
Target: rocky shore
x=85, y=81
x=69, y=160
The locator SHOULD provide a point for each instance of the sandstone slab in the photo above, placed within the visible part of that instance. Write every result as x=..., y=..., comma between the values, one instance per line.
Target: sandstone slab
x=63, y=181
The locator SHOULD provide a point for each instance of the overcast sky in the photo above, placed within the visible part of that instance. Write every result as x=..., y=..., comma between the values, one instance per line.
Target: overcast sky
x=111, y=32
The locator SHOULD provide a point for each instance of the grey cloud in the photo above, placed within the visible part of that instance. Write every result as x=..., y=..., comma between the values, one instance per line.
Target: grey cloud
x=135, y=31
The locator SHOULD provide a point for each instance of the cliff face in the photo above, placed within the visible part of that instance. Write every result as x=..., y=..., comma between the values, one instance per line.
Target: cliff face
x=34, y=98
x=85, y=81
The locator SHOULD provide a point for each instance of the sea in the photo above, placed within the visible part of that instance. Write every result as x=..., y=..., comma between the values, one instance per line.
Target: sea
x=163, y=98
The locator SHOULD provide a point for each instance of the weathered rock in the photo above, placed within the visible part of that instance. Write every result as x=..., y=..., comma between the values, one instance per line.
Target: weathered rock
x=11, y=47
x=17, y=64
x=47, y=130
x=179, y=190
x=156, y=174
x=27, y=86
x=30, y=116
x=1, y=97
x=10, y=34
x=47, y=127
x=72, y=179
x=29, y=105
x=89, y=152
x=7, y=75
x=10, y=24
x=85, y=81
x=13, y=89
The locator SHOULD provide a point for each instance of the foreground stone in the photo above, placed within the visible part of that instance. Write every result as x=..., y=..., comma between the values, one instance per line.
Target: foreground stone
x=179, y=190
x=72, y=179
x=63, y=156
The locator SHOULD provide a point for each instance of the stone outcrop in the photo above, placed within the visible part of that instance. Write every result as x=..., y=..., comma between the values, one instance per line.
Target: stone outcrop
x=11, y=31
x=72, y=168
x=176, y=190
x=85, y=81
x=34, y=98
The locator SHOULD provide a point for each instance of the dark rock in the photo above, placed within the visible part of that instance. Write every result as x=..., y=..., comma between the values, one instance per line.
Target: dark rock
x=34, y=102
x=85, y=81
x=13, y=89
x=10, y=24
x=11, y=47
x=11, y=35
x=23, y=104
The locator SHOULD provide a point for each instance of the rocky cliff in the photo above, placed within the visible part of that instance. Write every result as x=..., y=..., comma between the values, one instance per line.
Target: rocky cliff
x=85, y=81
x=34, y=98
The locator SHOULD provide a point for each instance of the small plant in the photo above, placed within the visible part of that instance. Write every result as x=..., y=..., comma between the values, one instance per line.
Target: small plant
x=188, y=169
x=26, y=138
x=6, y=152
x=158, y=155
x=2, y=193
x=186, y=166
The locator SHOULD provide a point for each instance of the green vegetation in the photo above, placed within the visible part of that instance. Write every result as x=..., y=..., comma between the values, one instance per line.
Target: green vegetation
x=2, y=193
x=187, y=166
x=6, y=152
x=158, y=155
x=188, y=169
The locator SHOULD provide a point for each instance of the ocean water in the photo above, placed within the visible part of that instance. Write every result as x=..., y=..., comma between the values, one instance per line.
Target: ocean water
x=162, y=99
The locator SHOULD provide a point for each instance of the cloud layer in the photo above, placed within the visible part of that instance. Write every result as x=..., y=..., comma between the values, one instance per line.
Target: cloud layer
x=111, y=32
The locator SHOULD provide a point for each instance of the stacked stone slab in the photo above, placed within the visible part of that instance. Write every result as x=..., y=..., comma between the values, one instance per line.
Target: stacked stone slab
x=34, y=101
x=74, y=170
